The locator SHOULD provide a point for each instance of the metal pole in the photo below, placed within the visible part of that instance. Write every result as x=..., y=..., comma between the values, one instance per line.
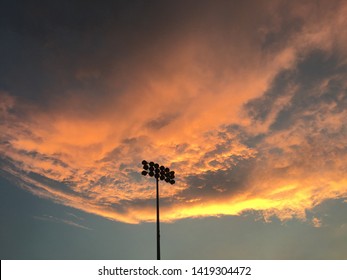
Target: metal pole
x=158, y=231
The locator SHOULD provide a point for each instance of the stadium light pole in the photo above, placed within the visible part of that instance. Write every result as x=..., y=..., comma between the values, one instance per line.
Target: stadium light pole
x=161, y=173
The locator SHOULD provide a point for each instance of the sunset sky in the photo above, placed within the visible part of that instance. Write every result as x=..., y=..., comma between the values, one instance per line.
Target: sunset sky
x=245, y=100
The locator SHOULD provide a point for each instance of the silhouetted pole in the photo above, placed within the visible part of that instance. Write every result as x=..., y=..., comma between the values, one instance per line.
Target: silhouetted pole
x=158, y=222
x=162, y=173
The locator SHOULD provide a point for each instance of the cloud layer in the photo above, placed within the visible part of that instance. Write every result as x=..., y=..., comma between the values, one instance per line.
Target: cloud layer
x=246, y=101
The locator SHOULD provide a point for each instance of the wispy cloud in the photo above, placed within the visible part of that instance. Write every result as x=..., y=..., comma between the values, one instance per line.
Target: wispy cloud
x=50, y=218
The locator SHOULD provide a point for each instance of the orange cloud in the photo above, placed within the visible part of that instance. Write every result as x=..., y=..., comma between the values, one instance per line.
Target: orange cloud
x=225, y=108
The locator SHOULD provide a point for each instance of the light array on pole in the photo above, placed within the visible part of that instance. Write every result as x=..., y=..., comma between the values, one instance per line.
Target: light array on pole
x=159, y=172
